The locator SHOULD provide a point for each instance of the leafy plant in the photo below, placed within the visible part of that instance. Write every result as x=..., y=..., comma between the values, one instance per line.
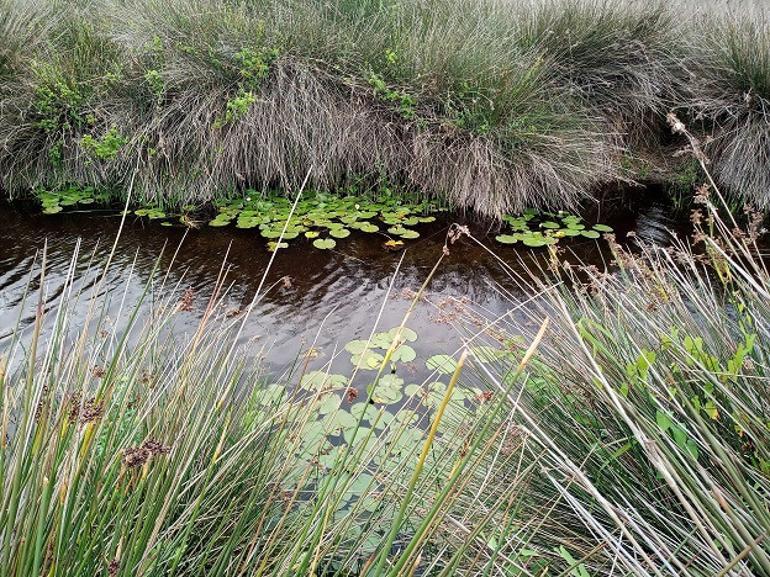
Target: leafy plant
x=105, y=147
x=535, y=229
x=325, y=218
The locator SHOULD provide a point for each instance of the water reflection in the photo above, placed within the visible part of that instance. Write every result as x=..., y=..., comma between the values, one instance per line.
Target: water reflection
x=341, y=291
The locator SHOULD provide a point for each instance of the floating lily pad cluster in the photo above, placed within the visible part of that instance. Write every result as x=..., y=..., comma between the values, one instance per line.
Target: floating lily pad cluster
x=364, y=435
x=324, y=218
x=535, y=229
x=54, y=201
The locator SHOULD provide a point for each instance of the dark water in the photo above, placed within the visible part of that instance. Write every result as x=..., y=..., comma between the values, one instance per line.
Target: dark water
x=330, y=297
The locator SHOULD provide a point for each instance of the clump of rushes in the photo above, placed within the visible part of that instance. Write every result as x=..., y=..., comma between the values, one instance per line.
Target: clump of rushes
x=651, y=398
x=731, y=95
x=126, y=451
x=626, y=432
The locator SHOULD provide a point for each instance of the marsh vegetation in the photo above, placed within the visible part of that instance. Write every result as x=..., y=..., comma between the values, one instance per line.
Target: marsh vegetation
x=489, y=105
x=350, y=288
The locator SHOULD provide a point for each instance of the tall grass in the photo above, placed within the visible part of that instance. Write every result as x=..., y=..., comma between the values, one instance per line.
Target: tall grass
x=732, y=95
x=492, y=105
x=625, y=433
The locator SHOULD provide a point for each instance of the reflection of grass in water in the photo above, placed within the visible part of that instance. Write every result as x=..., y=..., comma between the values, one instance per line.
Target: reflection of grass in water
x=627, y=436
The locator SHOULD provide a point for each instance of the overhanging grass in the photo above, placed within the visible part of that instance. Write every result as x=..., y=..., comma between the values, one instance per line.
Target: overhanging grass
x=490, y=105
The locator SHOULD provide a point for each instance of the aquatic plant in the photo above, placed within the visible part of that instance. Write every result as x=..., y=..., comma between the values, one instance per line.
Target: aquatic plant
x=54, y=201
x=535, y=229
x=326, y=218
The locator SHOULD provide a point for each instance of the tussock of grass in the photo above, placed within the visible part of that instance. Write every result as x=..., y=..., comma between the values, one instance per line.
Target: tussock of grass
x=732, y=95
x=490, y=105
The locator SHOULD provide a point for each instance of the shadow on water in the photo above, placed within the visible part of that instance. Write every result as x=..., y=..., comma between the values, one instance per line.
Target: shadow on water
x=335, y=296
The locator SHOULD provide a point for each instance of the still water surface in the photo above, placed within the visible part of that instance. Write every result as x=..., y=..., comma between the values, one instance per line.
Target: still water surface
x=328, y=298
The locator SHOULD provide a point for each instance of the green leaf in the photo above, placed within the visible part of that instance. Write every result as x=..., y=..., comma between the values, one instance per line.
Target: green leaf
x=404, y=354
x=405, y=334
x=590, y=233
x=324, y=243
x=321, y=379
x=368, y=227
x=506, y=239
x=441, y=363
x=367, y=360
x=357, y=347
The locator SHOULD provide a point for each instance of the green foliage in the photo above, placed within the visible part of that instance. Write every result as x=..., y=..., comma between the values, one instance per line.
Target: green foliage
x=56, y=200
x=254, y=64
x=404, y=103
x=237, y=107
x=155, y=82
x=318, y=214
x=105, y=147
x=58, y=102
x=535, y=229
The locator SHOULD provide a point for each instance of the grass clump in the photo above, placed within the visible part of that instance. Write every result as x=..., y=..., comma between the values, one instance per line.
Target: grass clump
x=486, y=105
x=472, y=102
x=732, y=93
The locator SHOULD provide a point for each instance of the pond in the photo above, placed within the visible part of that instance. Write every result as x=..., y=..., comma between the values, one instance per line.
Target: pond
x=312, y=298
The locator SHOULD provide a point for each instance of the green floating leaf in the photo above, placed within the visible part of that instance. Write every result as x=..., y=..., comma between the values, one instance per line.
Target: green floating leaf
x=404, y=354
x=329, y=404
x=409, y=234
x=368, y=227
x=365, y=411
x=324, y=243
x=404, y=333
x=602, y=228
x=367, y=360
x=339, y=232
x=387, y=390
x=506, y=239
x=590, y=233
x=534, y=242
x=321, y=379
x=441, y=363
x=357, y=347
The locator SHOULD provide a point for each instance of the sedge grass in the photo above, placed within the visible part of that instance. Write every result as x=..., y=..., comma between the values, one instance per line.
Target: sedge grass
x=490, y=105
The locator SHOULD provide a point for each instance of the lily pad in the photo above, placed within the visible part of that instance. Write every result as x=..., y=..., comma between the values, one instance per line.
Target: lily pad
x=321, y=379
x=404, y=333
x=368, y=227
x=404, y=354
x=441, y=363
x=324, y=243
x=369, y=360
